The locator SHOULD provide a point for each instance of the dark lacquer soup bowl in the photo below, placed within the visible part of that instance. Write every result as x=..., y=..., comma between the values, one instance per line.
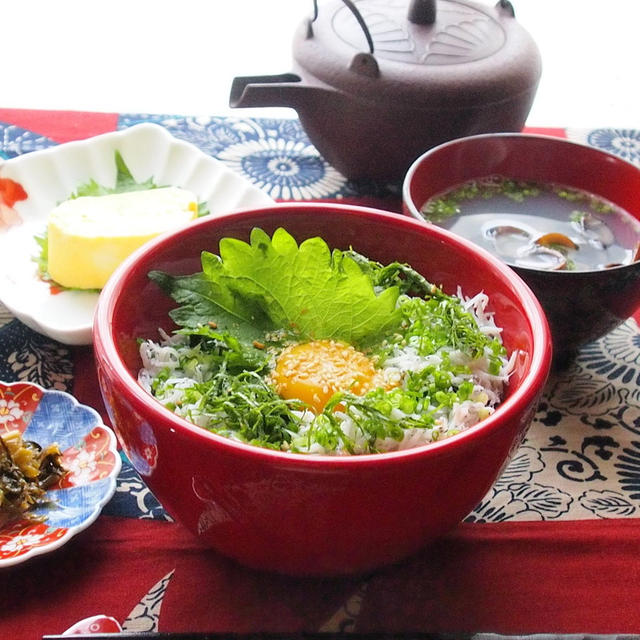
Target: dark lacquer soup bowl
x=599, y=194
x=315, y=514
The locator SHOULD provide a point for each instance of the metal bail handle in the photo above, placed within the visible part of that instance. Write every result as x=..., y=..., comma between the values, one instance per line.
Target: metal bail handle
x=420, y=12
x=352, y=7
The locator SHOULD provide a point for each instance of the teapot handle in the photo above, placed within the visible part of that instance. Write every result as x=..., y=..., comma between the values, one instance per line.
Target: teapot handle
x=420, y=12
x=352, y=7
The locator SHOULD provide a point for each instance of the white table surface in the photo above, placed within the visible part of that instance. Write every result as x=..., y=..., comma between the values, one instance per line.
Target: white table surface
x=169, y=57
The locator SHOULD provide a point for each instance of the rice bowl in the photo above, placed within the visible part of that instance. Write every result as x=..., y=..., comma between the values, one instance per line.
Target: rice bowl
x=296, y=513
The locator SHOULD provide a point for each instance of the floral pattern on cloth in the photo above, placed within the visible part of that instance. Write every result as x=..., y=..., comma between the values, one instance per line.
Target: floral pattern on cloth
x=581, y=456
x=278, y=156
x=17, y=141
x=133, y=498
x=27, y=356
x=275, y=155
x=624, y=143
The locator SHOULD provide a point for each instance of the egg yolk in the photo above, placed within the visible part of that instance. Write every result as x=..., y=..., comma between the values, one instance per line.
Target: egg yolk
x=314, y=371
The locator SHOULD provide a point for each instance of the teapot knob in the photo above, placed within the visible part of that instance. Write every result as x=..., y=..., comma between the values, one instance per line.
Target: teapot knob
x=422, y=11
x=506, y=7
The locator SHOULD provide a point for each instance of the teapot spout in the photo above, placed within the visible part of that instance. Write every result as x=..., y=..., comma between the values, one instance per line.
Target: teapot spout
x=265, y=91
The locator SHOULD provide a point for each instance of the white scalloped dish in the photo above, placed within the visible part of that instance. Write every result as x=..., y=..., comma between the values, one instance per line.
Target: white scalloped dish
x=46, y=178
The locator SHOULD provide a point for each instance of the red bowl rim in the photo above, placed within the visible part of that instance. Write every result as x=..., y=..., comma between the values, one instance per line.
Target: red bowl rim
x=530, y=387
x=523, y=136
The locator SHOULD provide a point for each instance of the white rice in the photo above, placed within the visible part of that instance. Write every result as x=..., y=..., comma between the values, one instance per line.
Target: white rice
x=487, y=390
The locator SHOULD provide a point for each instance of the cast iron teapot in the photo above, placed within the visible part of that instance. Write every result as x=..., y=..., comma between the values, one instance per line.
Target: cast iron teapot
x=376, y=83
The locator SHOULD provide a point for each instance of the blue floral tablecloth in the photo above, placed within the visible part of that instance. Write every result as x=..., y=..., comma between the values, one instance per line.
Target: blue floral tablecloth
x=581, y=458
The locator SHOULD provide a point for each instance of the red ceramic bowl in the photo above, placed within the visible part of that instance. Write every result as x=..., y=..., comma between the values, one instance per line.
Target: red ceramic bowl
x=294, y=513
x=580, y=305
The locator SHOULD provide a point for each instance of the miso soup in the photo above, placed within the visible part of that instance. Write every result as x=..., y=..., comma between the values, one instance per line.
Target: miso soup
x=538, y=225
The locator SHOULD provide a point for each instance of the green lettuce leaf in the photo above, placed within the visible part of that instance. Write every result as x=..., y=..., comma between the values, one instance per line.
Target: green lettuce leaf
x=272, y=283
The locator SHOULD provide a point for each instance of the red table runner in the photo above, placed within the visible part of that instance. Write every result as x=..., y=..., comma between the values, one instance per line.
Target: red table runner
x=507, y=578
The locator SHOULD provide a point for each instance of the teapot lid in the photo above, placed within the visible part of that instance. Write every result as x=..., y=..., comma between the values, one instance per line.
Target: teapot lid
x=440, y=53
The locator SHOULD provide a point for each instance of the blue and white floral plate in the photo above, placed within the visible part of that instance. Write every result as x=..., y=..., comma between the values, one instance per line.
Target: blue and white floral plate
x=33, y=183
x=89, y=453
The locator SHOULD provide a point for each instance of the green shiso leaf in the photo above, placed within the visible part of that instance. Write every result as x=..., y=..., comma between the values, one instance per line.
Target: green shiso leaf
x=203, y=301
x=272, y=283
x=42, y=259
x=124, y=182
